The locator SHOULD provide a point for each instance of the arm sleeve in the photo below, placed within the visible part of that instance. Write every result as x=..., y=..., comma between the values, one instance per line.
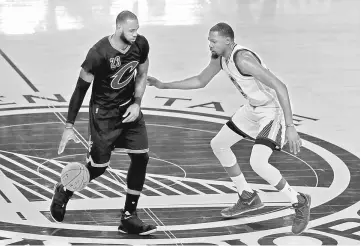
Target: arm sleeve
x=91, y=65
x=77, y=99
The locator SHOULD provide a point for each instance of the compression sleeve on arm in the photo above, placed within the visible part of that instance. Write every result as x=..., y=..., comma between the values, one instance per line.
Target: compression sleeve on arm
x=77, y=99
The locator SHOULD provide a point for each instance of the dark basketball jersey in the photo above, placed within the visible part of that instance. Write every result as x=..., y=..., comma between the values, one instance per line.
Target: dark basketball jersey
x=114, y=71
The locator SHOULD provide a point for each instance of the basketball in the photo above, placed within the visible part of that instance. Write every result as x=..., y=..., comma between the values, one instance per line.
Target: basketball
x=74, y=176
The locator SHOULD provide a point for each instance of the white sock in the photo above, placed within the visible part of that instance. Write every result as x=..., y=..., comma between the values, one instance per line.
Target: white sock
x=290, y=193
x=241, y=184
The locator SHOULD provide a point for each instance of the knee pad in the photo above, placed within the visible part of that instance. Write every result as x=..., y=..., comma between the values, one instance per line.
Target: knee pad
x=95, y=172
x=137, y=171
x=223, y=152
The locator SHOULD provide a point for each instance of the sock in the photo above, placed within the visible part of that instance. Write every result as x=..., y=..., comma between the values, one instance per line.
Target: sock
x=241, y=184
x=286, y=189
x=131, y=202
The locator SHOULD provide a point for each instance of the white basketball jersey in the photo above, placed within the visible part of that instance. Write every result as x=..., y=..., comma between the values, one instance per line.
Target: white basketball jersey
x=253, y=90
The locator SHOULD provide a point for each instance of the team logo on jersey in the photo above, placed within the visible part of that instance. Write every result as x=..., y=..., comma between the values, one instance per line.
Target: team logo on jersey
x=117, y=81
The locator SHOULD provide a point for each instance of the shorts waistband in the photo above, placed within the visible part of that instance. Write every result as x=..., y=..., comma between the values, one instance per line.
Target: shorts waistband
x=105, y=107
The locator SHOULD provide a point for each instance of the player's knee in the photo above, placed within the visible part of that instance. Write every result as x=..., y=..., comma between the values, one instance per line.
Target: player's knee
x=256, y=163
x=214, y=144
x=259, y=157
x=95, y=172
x=218, y=145
x=137, y=170
x=223, y=152
x=140, y=159
x=97, y=161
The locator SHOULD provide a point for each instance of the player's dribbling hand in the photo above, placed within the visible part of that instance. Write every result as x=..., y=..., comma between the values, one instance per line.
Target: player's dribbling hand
x=132, y=113
x=151, y=81
x=67, y=135
x=293, y=139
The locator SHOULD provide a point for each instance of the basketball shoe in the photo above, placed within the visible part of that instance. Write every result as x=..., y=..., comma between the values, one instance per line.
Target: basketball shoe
x=59, y=201
x=302, y=217
x=243, y=205
x=131, y=224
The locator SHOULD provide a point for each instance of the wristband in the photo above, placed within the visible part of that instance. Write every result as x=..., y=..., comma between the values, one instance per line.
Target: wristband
x=138, y=100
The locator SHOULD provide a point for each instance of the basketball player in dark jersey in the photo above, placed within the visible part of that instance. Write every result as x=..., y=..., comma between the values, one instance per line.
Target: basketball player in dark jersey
x=117, y=66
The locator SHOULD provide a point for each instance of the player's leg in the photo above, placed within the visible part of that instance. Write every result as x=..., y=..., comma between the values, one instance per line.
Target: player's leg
x=134, y=141
x=96, y=163
x=221, y=145
x=269, y=139
x=104, y=130
x=135, y=179
x=234, y=131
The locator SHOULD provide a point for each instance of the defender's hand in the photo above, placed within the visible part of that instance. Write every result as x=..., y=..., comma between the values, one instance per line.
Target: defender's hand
x=132, y=113
x=151, y=81
x=293, y=140
x=67, y=135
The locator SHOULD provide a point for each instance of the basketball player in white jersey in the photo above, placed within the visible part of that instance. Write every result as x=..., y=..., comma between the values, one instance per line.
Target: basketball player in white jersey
x=266, y=118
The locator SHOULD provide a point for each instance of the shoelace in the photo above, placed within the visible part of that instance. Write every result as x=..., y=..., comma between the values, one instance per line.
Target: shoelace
x=299, y=212
x=134, y=216
x=244, y=203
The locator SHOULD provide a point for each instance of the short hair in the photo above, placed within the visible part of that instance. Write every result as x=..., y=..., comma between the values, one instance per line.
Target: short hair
x=124, y=16
x=223, y=29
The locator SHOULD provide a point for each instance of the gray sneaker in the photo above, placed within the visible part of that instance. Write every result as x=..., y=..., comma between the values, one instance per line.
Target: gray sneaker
x=243, y=206
x=302, y=217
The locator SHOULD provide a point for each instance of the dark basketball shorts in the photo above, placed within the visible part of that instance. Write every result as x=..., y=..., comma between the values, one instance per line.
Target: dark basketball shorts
x=107, y=132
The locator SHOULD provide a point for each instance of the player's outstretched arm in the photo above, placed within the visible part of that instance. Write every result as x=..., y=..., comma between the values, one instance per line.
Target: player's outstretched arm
x=247, y=64
x=194, y=82
x=76, y=101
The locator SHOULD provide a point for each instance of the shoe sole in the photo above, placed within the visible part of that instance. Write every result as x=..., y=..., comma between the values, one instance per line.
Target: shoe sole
x=58, y=222
x=237, y=214
x=148, y=232
x=309, y=203
x=141, y=234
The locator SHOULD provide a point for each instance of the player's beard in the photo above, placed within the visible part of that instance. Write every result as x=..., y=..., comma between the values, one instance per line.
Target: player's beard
x=214, y=55
x=124, y=39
